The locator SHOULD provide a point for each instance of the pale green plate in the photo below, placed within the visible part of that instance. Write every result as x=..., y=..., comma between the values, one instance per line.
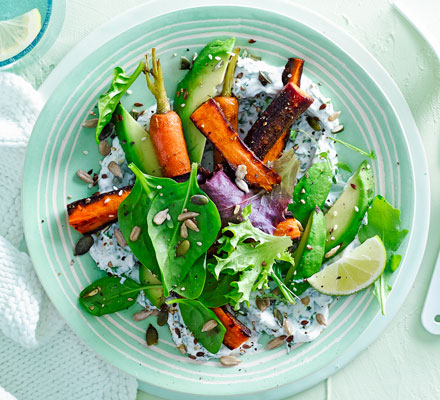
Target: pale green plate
x=375, y=118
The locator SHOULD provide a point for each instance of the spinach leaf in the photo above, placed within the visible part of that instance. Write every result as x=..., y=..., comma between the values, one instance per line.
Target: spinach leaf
x=216, y=291
x=133, y=212
x=108, y=101
x=108, y=295
x=166, y=237
x=192, y=285
x=384, y=221
x=195, y=315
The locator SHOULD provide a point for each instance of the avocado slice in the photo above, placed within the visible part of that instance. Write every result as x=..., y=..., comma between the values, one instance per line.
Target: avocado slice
x=344, y=218
x=156, y=296
x=199, y=85
x=311, y=191
x=136, y=142
x=310, y=252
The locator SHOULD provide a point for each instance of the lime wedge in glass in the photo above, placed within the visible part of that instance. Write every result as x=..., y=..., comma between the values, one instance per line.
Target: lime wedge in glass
x=354, y=271
x=18, y=33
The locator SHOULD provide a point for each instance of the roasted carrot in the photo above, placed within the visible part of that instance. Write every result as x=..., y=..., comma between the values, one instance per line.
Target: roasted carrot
x=211, y=121
x=289, y=227
x=236, y=332
x=96, y=212
x=292, y=73
x=166, y=130
x=227, y=102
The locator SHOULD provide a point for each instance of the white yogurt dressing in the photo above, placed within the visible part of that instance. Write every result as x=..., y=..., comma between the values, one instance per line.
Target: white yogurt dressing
x=254, y=98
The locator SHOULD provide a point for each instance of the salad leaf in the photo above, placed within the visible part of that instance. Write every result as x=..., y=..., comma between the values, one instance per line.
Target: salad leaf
x=216, y=290
x=166, y=237
x=287, y=166
x=111, y=294
x=251, y=253
x=352, y=147
x=384, y=221
x=195, y=315
x=267, y=208
x=108, y=101
x=133, y=212
x=192, y=285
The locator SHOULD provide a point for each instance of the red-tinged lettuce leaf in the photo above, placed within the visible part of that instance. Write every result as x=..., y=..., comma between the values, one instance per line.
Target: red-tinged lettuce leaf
x=267, y=208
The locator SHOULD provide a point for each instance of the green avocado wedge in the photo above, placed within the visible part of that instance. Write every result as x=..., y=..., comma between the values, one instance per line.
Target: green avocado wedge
x=136, y=142
x=155, y=295
x=199, y=85
x=310, y=252
x=344, y=218
x=311, y=191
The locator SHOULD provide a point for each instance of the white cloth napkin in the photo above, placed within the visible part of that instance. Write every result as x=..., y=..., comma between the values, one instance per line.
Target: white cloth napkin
x=40, y=357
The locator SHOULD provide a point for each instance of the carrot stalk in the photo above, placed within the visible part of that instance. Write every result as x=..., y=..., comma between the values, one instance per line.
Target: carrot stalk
x=211, y=121
x=236, y=332
x=166, y=130
x=96, y=212
x=289, y=227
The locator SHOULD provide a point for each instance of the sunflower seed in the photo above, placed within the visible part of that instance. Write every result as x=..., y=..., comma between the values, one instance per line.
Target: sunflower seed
x=288, y=327
x=115, y=169
x=229, y=361
x=183, y=231
x=83, y=245
x=141, y=315
x=135, y=233
x=162, y=318
x=241, y=172
x=276, y=342
x=160, y=217
x=263, y=78
x=187, y=215
x=332, y=251
x=320, y=319
x=263, y=303
x=183, y=248
x=279, y=317
x=305, y=300
x=91, y=293
x=182, y=348
x=120, y=237
x=104, y=148
x=209, y=325
x=300, y=227
x=84, y=176
x=90, y=123
x=199, y=200
x=338, y=129
x=242, y=185
x=106, y=131
x=334, y=116
x=152, y=336
x=184, y=63
x=314, y=123
x=192, y=224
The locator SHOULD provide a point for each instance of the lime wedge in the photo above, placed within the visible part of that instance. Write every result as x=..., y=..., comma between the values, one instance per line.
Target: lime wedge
x=18, y=33
x=355, y=271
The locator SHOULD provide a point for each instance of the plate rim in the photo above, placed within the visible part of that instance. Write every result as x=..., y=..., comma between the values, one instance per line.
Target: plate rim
x=371, y=67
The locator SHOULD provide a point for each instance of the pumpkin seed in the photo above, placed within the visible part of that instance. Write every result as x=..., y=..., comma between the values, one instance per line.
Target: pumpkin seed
x=83, y=245
x=314, y=123
x=160, y=217
x=263, y=303
x=183, y=248
x=209, y=325
x=106, y=131
x=162, y=318
x=320, y=319
x=242, y=185
x=288, y=327
x=255, y=57
x=84, y=176
x=276, y=342
x=115, y=169
x=192, y=224
x=241, y=172
x=305, y=300
x=334, y=116
x=104, y=148
x=332, y=251
x=338, y=129
x=229, y=361
x=135, y=233
x=184, y=63
x=141, y=315
x=120, y=238
x=90, y=123
x=279, y=316
x=152, y=336
x=183, y=231
x=264, y=78
x=187, y=215
x=199, y=200
x=182, y=348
